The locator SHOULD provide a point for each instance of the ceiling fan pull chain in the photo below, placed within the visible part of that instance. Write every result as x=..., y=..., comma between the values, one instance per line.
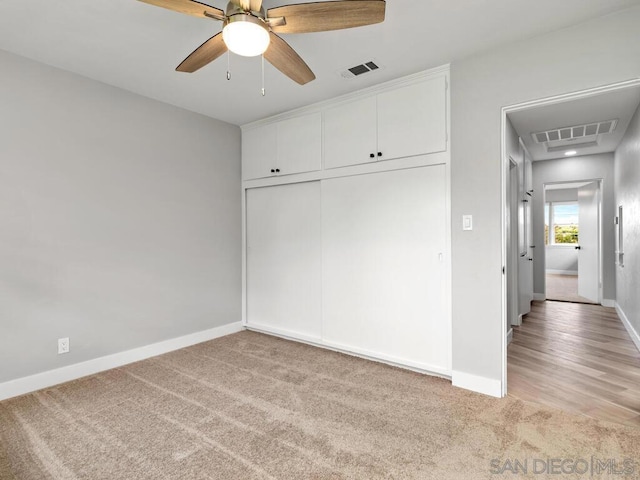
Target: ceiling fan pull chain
x=263, y=91
x=228, y=65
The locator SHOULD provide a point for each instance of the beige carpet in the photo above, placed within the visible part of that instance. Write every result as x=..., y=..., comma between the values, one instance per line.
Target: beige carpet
x=251, y=406
x=563, y=288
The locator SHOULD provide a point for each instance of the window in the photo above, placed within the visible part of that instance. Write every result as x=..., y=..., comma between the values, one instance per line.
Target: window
x=560, y=223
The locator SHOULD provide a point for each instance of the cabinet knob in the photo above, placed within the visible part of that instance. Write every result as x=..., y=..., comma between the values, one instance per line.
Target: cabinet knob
x=379, y=154
x=277, y=170
x=371, y=155
x=273, y=171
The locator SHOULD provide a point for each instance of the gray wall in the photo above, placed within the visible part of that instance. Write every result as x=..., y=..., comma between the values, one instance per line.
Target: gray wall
x=589, y=167
x=599, y=52
x=627, y=165
x=119, y=219
x=561, y=259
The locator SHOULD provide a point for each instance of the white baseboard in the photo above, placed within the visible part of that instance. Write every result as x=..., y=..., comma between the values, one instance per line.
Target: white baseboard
x=539, y=297
x=21, y=386
x=627, y=324
x=562, y=272
x=428, y=369
x=476, y=383
x=606, y=302
x=509, y=336
x=519, y=320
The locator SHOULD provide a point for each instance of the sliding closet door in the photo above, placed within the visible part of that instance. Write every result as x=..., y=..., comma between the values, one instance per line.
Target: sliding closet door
x=384, y=240
x=284, y=259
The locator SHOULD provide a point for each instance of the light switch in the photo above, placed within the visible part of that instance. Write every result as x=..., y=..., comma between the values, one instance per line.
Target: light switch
x=467, y=222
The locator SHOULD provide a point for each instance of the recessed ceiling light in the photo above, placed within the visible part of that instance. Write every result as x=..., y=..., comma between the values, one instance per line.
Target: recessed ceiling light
x=570, y=153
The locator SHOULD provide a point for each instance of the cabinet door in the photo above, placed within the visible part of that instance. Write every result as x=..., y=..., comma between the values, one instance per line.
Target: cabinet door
x=300, y=144
x=412, y=120
x=259, y=152
x=384, y=238
x=284, y=259
x=350, y=133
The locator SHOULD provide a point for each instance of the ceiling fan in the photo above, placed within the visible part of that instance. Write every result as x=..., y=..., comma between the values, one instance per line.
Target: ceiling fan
x=250, y=30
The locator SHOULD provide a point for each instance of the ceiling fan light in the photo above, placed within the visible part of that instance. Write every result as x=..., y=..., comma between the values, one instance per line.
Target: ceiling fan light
x=245, y=35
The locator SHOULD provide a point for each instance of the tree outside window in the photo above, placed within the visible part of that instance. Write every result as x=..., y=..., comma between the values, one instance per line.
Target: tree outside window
x=561, y=218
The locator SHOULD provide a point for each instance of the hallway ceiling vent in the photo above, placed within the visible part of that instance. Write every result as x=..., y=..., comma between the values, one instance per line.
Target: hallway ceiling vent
x=586, y=133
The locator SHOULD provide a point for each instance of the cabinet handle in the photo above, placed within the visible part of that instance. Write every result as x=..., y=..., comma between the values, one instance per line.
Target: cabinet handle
x=379, y=154
x=371, y=155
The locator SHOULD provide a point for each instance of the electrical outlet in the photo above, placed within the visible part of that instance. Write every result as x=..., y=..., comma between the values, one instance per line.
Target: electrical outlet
x=63, y=345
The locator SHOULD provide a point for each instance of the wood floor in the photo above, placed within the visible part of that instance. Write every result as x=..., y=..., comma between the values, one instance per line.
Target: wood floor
x=578, y=358
x=564, y=288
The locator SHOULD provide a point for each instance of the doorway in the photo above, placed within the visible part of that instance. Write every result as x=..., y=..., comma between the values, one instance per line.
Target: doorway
x=570, y=138
x=573, y=241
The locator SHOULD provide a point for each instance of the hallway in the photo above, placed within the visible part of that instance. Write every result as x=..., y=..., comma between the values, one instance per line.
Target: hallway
x=578, y=358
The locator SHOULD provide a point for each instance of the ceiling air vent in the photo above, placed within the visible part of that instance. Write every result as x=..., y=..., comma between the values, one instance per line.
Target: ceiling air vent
x=577, y=132
x=359, y=70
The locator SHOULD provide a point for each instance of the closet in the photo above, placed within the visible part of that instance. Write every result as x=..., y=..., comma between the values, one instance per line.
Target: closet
x=354, y=258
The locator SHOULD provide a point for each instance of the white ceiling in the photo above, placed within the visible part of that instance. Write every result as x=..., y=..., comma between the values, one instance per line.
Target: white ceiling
x=137, y=46
x=617, y=105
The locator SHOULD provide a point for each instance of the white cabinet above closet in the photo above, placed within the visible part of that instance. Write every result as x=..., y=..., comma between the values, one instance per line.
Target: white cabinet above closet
x=282, y=148
x=350, y=132
x=401, y=122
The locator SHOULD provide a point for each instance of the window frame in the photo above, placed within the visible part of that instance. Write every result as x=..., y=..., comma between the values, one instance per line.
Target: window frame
x=550, y=241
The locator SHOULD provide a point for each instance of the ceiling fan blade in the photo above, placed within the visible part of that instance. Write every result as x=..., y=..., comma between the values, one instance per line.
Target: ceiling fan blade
x=243, y=4
x=285, y=59
x=204, y=54
x=188, y=7
x=256, y=5
x=325, y=16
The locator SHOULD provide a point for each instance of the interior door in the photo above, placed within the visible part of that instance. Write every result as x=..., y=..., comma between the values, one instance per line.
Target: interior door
x=525, y=266
x=284, y=269
x=588, y=237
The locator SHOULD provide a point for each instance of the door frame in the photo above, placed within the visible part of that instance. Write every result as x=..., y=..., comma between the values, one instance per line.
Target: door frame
x=600, y=186
x=504, y=197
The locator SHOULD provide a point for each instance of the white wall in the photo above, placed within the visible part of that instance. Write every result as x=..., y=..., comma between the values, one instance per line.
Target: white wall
x=627, y=182
x=562, y=195
x=599, y=52
x=589, y=167
x=119, y=219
